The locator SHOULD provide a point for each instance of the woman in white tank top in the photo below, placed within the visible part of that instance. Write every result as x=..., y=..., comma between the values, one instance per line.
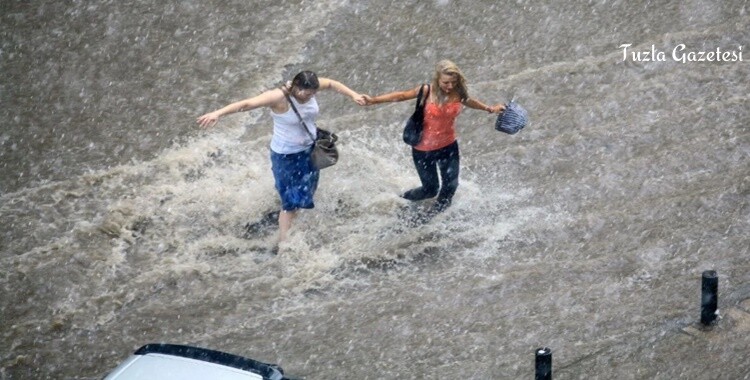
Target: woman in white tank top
x=295, y=177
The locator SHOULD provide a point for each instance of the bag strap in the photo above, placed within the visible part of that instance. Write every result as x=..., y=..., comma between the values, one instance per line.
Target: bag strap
x=420, y=100
x=299, y=116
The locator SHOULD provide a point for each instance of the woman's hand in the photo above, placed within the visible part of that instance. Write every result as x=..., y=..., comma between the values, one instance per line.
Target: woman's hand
x=360, y=99
x=497, y=108
x=208, y=120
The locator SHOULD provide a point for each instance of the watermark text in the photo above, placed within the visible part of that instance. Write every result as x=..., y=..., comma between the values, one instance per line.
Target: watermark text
x=680, y=53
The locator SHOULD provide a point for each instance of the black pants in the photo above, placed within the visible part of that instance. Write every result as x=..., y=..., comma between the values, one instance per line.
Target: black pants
x=446, y=160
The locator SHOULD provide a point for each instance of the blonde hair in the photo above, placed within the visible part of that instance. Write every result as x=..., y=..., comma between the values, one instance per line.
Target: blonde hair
x=447, y=67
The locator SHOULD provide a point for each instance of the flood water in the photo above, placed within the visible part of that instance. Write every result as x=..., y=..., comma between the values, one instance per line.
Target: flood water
x=587, y=232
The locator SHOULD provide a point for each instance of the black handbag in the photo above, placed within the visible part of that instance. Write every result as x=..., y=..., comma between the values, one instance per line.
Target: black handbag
x=413, y=129
x=324, y=153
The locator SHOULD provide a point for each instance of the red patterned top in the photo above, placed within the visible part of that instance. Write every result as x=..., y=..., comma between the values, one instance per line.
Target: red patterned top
x=439, y=128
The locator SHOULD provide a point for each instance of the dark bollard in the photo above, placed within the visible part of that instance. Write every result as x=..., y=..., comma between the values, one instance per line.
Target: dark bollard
x=543, y=364
x=709, y=297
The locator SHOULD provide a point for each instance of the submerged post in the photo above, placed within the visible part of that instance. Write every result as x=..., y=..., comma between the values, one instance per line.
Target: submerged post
x=709, y=296
x=543, y=364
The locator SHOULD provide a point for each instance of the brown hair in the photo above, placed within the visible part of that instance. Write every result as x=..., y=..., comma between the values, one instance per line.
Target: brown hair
x=306, y=80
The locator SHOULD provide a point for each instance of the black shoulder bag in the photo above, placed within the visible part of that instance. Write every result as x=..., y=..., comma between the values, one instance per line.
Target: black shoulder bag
x=413, y=129
x=324, y=153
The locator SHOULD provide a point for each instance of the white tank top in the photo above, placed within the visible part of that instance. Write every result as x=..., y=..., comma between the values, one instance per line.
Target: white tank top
x=289, y=135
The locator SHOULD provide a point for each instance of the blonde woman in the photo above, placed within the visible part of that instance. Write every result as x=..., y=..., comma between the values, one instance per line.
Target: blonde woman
x=437, y=151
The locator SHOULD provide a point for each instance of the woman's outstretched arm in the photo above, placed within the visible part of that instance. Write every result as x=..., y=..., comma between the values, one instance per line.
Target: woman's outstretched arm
x=477, y=105
x=327, y=83
x=266, y=99
x=396, y=96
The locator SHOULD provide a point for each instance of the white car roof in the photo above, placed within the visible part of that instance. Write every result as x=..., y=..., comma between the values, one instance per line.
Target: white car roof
x=175, y=362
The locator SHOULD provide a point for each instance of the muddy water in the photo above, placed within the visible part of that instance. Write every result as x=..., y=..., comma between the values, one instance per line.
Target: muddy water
x=587, y=232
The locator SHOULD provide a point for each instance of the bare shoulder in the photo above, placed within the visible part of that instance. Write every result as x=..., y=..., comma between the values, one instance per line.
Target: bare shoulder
x=414, y=92
x=275, y=99
x=274, y=96
x=325, y=83
x=276, y=93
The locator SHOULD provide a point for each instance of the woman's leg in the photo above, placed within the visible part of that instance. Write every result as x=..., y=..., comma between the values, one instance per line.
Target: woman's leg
x=449, y=164
x=296, y=181
x=285, y=222
x=428, y=175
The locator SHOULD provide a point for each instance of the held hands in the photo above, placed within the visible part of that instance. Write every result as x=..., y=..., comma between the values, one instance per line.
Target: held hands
x=367, y=100
x=360, y=99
